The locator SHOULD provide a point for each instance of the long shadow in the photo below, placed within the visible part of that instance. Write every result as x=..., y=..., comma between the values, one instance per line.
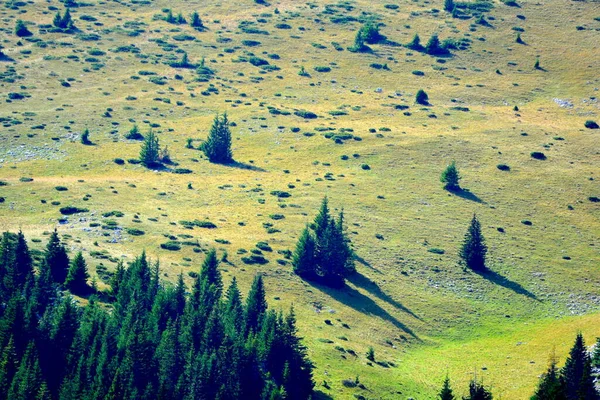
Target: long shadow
x=466, y=194
x=241, y=165
x=361, y=303
x=373, y=288
x=320, y=395
x=365, y=263
x=6, y=58
x=503, y=281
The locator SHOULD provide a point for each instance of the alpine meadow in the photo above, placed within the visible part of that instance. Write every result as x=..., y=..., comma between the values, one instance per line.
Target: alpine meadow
x=276, y=199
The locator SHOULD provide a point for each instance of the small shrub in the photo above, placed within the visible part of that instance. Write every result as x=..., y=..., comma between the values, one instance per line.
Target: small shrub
x=171, y=246
x=119, y=161
x=61, y=188
x=422, y=97
x=591, y=124
x=435, y=250
x=264, y=246
x=322, y=69
x=305, y=114
x=135, y=231
x=538, y=155
x=182, y=171
x=503, y=167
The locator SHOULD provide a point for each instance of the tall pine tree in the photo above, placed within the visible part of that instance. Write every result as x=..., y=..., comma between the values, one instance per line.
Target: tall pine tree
x=77, y=276
x=577, y=372
x=57, y=259
x=446, y=391
x=474, y=250
x=218, y=144
x=551, y=385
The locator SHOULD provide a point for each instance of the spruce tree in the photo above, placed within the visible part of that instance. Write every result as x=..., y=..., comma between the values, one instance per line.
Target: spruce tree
x=422, y=98
x=304, y=259
x=446, y=391
x=415, y=43
x=256, y=304
x=474, y=250
x=577, y=372
x=57, y=259
x=218, y=144
x=596, y=354
x=195, y=21
x=23, y=264
x=448, y=5
x=433, y=45
x=551, y=385
x=85, y=137
x=77, y=276
x=234, y=310
x=450, y=177
x=478, y=392
x=150, y=150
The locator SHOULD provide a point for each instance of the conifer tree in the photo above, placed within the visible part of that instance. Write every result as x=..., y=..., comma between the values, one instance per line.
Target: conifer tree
x=304, y=259
x=218, y=144
x=57, y=259
x=195, y=21
x=433, y=45
x=85, y=137
x=256, y=304
x=448, y=5
x=596, y=354
x=149, y=152
x=415, y=43
x=551, y=385
x=422, y=98
x=446, y=391
x=77, y=276
x=23, y=264
x=577, y=372
x=234, y=310
x=478, y=392
x=450, y=177
x=474, y=250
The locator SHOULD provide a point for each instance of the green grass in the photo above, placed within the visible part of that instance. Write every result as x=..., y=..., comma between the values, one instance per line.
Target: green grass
x=403, y=287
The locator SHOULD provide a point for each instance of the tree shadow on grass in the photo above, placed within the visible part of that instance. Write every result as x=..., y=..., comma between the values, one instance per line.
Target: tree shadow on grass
x=466, y=194
x=373, y=288
x=320, y=395
x=241, y=165
x=361, y=303
x=503, y=281
x=6, y=58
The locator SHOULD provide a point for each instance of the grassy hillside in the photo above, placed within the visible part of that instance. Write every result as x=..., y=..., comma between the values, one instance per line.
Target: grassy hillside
x=411, y=300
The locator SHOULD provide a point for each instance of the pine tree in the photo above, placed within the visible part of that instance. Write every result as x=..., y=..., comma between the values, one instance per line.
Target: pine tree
x=134, y=134
x=474, y=250
x=181, y=19
x=422, y=98
x=433, y=45
x=57, y=259
x=415, y=43
x=322, y=219
x=551, y=386
x=218, y=144
x=85, y=137
x=304, y=259
x=23, y=264
x=450, y=177
x=577, y=372
x=77, y=276
x=256, y=304
x=478, y=392
x=195, y=21
x=448, y=5
x=595, y=358
x=233, y=310
x=150, y=150
x=446, y=391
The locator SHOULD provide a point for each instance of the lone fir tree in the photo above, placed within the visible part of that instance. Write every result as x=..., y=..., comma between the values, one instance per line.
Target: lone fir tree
x=77, y=276
x=474, y=250
x=218, y=145
x=450, y=177
x=446, y=391
x=149, y=153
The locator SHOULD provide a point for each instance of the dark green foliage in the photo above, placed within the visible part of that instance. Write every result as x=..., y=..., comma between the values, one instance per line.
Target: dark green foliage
x=64, y=21
x=591, y=124
x=56, y=258
x=478, y=392
x=595, y=357
x=422, y=98
x=446, y=391
x=149, y=152
x=195, y=21
x=448, y=5
x=577, y=373
x=538, y=155
x=415, y=43
x=77, y=276
x=369, y=33
x=326, y=255
x=474, y=250
x=450, y=177
x=85, y=137
x=218, y=144
x=370, y=354
x=69, y=210
x=434, y=47
x=183, y=63
x=537, y=64
x=153, y=342
x=551, y=385
x=21, y=29
x=134, y=134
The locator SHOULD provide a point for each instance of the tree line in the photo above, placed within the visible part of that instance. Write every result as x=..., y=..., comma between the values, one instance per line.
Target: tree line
x=152, y=341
